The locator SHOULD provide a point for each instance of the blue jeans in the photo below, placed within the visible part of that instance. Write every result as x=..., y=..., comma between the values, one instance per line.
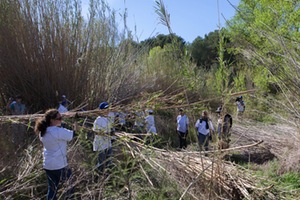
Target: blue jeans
x=54, y=177
x=104, y=159
x=203, y=141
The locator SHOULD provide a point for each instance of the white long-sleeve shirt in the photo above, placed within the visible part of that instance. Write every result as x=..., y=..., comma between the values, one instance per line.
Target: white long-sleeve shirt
x=55, y=147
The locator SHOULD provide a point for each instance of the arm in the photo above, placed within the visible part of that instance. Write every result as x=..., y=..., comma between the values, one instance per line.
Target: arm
x=65, y=134
x=211, y=126
x=197, y=125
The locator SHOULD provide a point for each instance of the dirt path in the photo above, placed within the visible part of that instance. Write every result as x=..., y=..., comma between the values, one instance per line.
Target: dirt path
x=278, y=140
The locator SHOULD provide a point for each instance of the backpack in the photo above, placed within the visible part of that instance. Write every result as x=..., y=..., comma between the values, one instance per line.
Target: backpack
x=228, y=120
x=206, y=120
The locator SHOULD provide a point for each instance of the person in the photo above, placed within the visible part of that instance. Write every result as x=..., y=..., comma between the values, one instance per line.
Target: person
x=112, y=116
x=138, y=126
x=120, y=121
x=102, y=140
x=240, y=106
x=54, y=140
x=150, y=123
x=203, y=127
x=64, y=99
x=129, y=122
x=182, y=128
x=224, y=125
x=17, y=107
x=63, y=105
x=62, y=108
x=7, y=110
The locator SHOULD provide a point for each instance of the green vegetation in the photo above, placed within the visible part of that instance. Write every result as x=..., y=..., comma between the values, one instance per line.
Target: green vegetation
x=287, y=183
x=48, y=49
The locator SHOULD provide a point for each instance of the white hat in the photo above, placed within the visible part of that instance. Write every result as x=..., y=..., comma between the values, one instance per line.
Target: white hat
x=150, y=111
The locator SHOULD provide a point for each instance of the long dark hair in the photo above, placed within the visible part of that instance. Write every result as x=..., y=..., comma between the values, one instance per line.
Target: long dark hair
x=204, y=117
x=42, y=123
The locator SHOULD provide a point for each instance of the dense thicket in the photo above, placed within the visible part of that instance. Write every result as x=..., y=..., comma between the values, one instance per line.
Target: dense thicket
x=205, y=51
x=266, y=36
x=49, y=49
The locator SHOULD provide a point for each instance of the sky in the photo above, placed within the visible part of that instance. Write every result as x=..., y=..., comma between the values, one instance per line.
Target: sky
x=189, y=18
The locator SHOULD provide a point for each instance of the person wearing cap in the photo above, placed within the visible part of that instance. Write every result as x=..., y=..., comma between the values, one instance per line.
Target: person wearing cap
x=224, y=125
x=240, y=104
x=63, y=105
x=17, y=107
x=182, y=128
x=62, y=108
x=102, y=140
x=150, y=123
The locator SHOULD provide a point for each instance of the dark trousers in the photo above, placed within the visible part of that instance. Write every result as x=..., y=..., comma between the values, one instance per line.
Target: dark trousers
x=54, y=177
x=203, y=141
x=182, y=139
x=104, y=159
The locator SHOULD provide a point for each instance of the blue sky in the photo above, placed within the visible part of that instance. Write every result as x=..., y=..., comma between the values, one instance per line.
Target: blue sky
x=189, y=18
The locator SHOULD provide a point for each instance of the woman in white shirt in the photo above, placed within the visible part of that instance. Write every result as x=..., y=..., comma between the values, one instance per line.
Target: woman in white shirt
x=54, y=139
x=203, y=127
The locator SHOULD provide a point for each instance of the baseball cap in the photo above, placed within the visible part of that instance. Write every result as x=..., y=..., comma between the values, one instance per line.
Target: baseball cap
x=150, y=111
x=103, y=105
x=219, y=109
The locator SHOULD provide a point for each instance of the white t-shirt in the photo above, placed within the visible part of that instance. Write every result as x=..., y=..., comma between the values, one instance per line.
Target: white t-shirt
x=139, y=118
x=202, y=126
x=240, y=106
x=111, y=117
x=62, y=109
x=55, y=147
x=182, y=123
x=150, y=124
x=122, y=117
x=101, y=142
x=17, y=108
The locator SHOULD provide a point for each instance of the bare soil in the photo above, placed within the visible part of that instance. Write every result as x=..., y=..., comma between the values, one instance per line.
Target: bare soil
x=280, y=141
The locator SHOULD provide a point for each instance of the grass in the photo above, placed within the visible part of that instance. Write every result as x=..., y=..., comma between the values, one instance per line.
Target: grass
x=285, y=186
x=59, y=43
x=132, y=177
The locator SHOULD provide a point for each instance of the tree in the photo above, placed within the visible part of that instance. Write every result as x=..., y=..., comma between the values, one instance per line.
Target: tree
x=161, y=40
x=204, y=51
x=266, y=35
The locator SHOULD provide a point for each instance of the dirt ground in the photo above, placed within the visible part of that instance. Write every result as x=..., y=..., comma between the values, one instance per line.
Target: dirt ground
x=280, y=141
